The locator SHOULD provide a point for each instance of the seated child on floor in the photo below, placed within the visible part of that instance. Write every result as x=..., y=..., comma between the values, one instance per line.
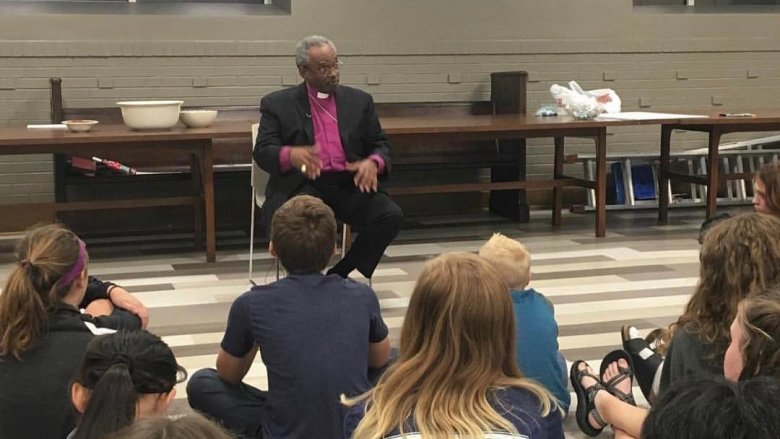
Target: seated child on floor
x=537, y=331
x=124, y=376
x=43, y=334
x=318, y=336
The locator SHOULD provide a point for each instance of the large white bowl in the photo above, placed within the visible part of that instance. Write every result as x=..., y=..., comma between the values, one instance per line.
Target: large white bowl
x=198, y=118
x=147, y=115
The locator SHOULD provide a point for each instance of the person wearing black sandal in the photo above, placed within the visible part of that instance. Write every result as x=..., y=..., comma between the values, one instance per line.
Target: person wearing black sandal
x=739, y=256
x=754, y=351
x=594, y=407
x=646, y=362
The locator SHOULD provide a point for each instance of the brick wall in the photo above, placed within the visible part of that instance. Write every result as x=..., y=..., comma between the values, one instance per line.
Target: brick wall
x=432, y=51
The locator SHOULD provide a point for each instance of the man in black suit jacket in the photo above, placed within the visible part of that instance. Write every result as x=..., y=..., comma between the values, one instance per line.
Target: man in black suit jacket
x=324, y=139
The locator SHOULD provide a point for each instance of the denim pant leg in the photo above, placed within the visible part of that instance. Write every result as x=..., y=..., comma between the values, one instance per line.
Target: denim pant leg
x=237, y=407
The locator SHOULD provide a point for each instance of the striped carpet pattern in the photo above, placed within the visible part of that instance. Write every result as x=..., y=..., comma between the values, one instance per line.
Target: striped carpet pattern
x=641, y=273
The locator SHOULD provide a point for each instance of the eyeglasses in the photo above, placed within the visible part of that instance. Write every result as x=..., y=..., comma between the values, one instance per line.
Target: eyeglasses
x=327, y=68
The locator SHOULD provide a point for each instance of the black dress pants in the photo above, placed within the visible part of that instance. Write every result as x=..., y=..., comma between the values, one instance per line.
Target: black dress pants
x=376, y=217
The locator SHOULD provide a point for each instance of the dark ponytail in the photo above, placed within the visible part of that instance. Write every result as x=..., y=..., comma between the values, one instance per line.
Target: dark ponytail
x=44, y=257
x=111, y=404
x=118, y=369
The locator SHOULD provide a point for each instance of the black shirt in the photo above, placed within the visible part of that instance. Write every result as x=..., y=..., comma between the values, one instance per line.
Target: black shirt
x=34, y=392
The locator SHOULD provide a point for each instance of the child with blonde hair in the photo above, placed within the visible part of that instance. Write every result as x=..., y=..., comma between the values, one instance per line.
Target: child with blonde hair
x=536, y=329
x=456, y=375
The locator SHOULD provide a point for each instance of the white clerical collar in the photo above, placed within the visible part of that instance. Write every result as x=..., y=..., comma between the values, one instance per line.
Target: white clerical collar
x=321, y=95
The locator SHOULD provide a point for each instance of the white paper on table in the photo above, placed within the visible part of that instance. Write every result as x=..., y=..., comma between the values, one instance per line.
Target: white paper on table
x=644, y=115
x=47, y=126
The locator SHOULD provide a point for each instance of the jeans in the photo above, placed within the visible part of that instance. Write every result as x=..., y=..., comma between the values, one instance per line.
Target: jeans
x=239, y=408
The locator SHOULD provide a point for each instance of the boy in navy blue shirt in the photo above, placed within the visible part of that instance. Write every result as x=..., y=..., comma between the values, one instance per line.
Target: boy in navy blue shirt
x=537, y=330
x=318, y=336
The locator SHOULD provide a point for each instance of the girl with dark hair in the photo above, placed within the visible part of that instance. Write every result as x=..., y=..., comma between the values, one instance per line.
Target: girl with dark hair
x=766, y=189
x=707, y=408
x=124, y=376
x=43, y=335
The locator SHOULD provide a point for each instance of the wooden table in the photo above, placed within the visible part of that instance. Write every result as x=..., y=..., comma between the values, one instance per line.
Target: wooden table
x=715, y=126
x=111, y=139
x=521, y=127
x=116, y=140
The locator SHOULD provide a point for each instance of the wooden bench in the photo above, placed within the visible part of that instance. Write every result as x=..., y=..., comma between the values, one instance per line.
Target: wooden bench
x=461, y=162
x=159, y=174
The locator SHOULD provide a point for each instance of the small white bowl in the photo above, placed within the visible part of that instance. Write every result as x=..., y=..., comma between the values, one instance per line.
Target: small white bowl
x=80, y=125
x=147, y=115
x=198, y=118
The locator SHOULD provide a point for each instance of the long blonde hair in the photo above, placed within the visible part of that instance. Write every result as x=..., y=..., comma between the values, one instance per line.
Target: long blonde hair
x=457, y=347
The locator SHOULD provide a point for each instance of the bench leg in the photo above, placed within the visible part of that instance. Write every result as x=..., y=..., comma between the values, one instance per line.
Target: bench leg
x=712, y=175
x=197, y=191
x=207, y=172
x=601, y=183
x=557, y=173
x=510, y=203
x=663, y=181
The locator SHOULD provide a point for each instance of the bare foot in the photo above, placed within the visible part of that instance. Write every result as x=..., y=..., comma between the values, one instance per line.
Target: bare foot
x=587, y=382
x=613, y=371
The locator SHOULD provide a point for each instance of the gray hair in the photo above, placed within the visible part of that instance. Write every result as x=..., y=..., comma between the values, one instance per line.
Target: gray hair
x=301, y=50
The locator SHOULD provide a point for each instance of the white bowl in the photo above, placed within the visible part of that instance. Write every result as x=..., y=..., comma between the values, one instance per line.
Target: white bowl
x=80, y=125
x=198, y=118
x=146, y=115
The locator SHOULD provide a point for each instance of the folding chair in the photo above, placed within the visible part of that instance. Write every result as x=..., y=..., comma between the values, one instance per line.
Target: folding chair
x=259, y=181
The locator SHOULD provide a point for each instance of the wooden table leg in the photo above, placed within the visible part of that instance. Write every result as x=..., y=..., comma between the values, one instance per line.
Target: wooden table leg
x=663, y=178
x=197, y=191
x=207, y=171
x=712, y=171
x=557, y=173
x=601, y=183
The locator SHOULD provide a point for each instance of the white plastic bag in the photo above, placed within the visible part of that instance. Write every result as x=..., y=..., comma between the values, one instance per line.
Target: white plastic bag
x=564, y=97
x=608, y=100
x=605, y=100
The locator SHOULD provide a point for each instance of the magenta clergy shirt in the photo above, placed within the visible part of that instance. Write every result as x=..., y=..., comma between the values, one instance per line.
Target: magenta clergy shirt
x=326, y=136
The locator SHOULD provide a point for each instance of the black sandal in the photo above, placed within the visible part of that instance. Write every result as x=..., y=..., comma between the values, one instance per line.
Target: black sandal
x=586, y=399
x=644, y=368
x=624, y=373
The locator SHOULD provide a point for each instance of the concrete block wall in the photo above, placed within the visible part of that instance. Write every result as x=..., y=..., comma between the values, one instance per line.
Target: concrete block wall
x=434, y=51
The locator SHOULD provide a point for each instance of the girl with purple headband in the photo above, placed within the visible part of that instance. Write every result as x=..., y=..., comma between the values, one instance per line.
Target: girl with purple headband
x=43, y=334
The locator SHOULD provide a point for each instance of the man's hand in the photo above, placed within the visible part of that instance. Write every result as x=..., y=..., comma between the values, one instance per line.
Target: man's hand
x=123, y=299
x=365, y=174
x=306, y=160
